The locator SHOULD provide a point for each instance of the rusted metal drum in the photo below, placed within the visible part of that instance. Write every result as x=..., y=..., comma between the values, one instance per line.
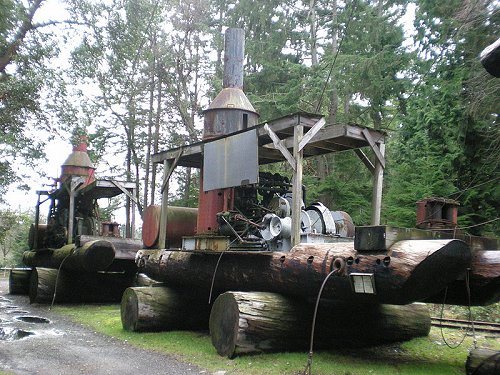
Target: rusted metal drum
x=181, y=221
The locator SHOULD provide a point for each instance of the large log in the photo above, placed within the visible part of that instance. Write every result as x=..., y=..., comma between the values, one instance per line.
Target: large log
x=410, y=271
x=19, y=281
x=163, y=309
x=482, y=361
x=246, y=322
x=125, y=248
x=484, y=283
x=91, y=257
x=77, y=287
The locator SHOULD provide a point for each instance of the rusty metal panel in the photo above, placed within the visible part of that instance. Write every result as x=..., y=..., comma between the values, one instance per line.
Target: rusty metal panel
x=232, y=161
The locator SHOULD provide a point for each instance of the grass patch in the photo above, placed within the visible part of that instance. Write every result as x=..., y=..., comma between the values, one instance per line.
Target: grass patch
x=427, y=355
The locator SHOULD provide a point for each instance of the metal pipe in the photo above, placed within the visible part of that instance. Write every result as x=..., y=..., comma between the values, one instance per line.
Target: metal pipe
x=234, y=54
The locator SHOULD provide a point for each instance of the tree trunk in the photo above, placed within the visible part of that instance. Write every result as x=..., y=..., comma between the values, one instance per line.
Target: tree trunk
x=19, y=281
x=483, y=361
x=163, y=309
x=246, y=322
x=92, y=256
x=125, y=248
x=410, y=271
x=77, y=287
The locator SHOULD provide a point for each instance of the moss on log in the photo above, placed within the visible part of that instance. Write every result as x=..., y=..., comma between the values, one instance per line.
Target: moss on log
x=77, y=287
x=90, y=257
x=19, y=281
x=163, y=309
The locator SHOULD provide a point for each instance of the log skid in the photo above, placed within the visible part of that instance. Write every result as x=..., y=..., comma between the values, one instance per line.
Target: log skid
x=91, y=257
x=19, y=281
x=408, y=272
x=163, y=309
x=248, y=322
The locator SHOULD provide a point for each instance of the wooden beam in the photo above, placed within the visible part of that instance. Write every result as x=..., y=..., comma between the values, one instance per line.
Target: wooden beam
x=311, y=133
x=278, y=144
x=367, y=162
x=378, y=182
x=297, y=185
x=132, y=197
x=377, y=150
x=171, y=168
x=168, y=167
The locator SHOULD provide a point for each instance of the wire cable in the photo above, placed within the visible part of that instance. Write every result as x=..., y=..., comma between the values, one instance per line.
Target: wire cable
x=353, y=7
x=308, y=368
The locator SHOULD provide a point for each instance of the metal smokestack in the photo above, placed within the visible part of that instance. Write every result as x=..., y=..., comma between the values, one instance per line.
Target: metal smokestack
x=234, y=54
x=231, y=110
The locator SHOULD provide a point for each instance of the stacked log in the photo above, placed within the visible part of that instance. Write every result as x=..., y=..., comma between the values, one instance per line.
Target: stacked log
x=482, y=361
x=158, y=308
x=409, y=272
x=125, y=248
x=90, y=257
x=19, y=281
x=76, y=287
x=248, y=322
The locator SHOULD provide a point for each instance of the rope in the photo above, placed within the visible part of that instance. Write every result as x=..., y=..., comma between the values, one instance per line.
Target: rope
x=57, y=278
x=454, y=346
x=308, y=368
x=215, y=272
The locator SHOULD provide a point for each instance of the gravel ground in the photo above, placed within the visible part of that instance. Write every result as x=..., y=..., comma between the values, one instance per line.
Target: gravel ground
x=58, y=346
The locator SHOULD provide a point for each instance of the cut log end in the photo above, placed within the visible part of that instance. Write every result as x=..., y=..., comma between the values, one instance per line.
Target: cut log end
x=98, y=256
x=223, y=324
x=129, y=310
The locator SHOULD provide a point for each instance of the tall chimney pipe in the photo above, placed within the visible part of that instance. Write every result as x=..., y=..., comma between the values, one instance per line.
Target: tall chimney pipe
x=234, y=54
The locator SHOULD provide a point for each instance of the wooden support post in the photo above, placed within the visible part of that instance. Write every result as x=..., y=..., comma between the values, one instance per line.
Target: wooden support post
x=298, y=133
x=378, y=181
x=162, y=237
x=73, y=186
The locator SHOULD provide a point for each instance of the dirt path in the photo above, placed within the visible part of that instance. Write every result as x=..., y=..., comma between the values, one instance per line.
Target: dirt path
x=54, y=345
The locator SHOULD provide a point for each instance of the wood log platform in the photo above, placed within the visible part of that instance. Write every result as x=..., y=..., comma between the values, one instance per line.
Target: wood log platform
x=249, y=322
x=90, y=257
x=158, y=308
x=410, y=271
